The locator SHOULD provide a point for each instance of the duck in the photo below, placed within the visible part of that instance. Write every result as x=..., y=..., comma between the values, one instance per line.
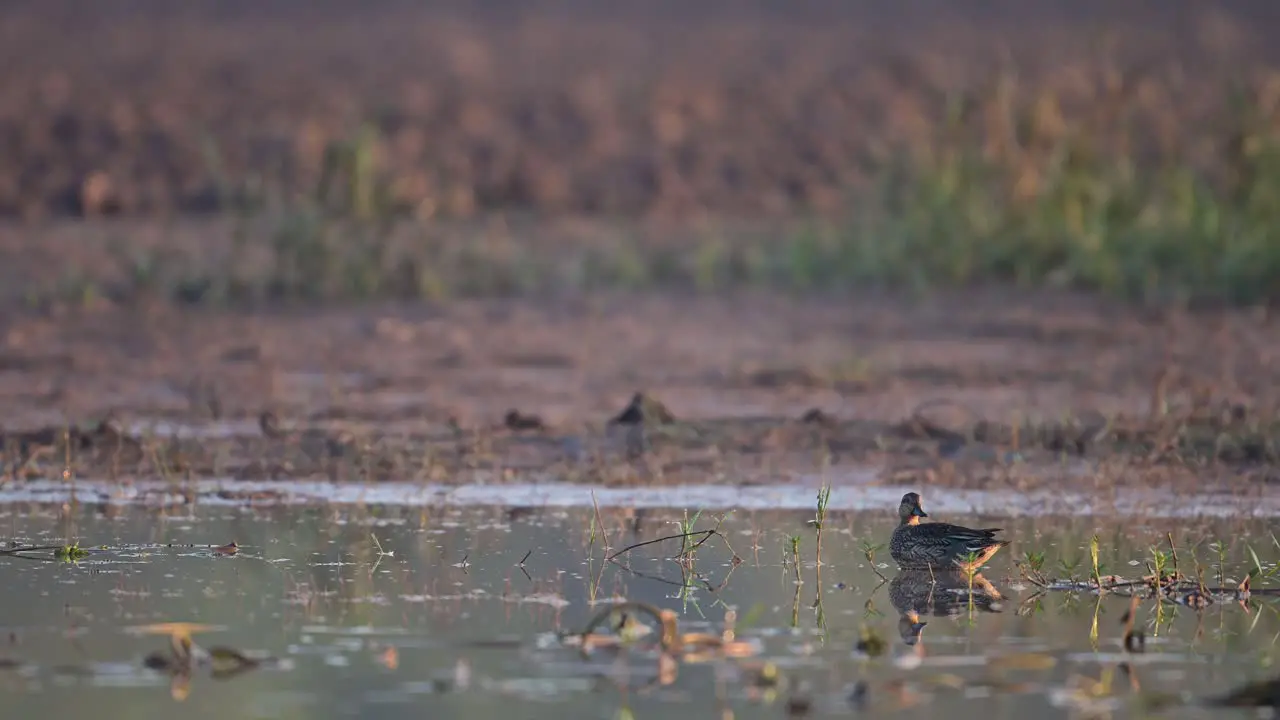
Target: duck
x=939, y=545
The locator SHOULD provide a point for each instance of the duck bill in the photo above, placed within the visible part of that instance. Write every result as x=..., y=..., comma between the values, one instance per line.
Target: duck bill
x=917, y=511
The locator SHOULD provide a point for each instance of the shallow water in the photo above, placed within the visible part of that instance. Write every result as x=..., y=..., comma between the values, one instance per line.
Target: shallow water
x=446, y=621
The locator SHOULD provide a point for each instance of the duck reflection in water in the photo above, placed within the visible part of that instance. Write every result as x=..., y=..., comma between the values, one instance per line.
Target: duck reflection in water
x=917, y=593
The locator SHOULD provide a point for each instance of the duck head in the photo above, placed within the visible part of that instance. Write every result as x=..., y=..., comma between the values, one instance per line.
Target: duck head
x=909, y=510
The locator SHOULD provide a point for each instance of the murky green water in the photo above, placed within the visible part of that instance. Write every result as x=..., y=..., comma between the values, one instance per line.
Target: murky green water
x=447, y=623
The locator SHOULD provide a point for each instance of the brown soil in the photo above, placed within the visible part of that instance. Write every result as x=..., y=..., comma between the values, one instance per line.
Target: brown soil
x=147, y=106
x=424, y=389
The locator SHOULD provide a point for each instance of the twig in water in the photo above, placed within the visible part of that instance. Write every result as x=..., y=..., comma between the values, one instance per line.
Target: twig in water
x=381, y=552
x=1029, y=577
x=706, y=533
x=32, y=548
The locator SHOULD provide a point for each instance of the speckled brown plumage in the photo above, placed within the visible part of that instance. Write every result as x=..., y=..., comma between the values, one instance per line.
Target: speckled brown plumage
x=939, y=545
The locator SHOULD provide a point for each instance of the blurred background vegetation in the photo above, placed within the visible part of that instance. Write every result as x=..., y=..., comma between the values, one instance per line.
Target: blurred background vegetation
x=233, y=152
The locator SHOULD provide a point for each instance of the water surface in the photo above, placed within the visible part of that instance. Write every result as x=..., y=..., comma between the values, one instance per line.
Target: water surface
x=461, y=612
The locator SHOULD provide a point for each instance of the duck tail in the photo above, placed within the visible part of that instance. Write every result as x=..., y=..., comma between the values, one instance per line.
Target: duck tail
x=986, y=552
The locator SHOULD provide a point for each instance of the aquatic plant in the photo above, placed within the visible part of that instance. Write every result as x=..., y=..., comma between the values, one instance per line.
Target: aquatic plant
x=70, y=553
x=869, y=550
x=793, y=547
x=819, y=521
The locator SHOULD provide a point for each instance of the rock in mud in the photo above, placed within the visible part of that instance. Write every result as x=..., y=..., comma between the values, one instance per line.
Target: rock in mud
x=644, y=410
x=816, y=416
x=516, y=420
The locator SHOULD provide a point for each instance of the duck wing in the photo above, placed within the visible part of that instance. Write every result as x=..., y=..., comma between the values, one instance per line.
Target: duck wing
x=961, y=532
x=959, y=539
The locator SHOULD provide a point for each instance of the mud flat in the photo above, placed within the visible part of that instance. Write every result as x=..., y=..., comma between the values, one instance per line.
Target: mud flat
x=972, y=389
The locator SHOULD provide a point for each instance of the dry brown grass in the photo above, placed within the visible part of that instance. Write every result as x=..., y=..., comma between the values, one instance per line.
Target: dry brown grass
x=142, y=108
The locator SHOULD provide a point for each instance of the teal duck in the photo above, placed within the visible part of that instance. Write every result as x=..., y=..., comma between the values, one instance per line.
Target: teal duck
x=939, y=545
